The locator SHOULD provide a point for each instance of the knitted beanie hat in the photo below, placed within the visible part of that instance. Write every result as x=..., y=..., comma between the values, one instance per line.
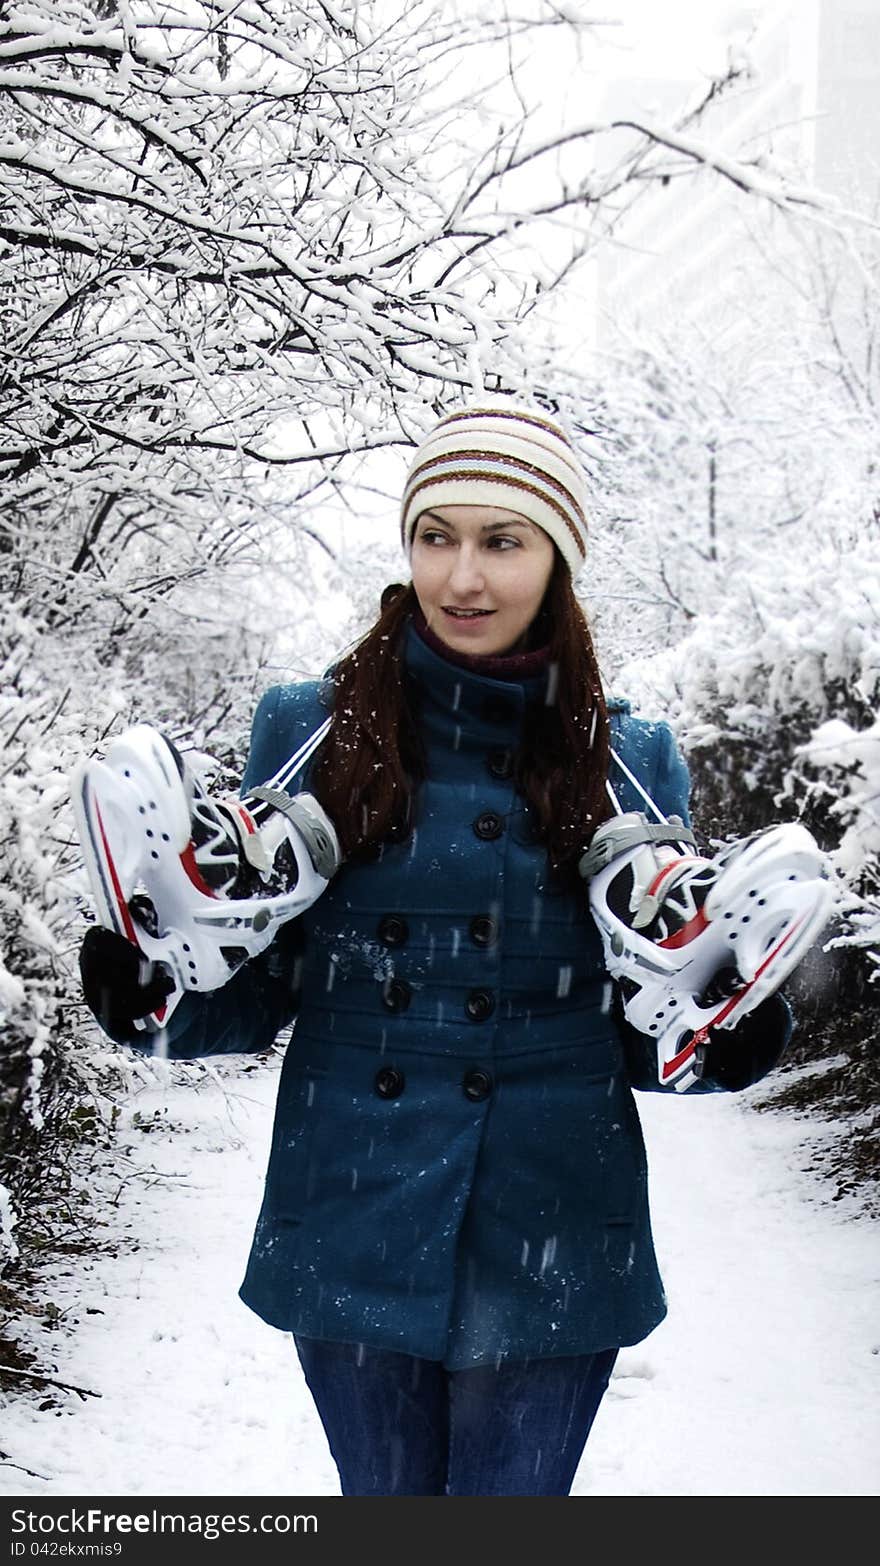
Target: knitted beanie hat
x=499, y=454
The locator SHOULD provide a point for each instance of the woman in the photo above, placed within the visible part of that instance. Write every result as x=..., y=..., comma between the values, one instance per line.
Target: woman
x=455, y=1226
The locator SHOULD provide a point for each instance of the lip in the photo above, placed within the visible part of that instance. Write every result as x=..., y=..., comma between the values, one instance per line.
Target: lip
x=468, y=625
x=459, y=611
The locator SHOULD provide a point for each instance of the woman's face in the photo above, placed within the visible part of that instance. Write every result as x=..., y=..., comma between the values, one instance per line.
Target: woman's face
x=480, y=574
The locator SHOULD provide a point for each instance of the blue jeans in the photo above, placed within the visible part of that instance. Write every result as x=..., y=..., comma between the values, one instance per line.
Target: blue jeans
x=398, y=1425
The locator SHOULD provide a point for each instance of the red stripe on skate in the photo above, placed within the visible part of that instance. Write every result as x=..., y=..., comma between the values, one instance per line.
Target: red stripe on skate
x=666, y=869
x=684, y=1055
x=688, y=932
x=246, y=817
x=188, y=860
x=670, y=1067
x=736, y=1000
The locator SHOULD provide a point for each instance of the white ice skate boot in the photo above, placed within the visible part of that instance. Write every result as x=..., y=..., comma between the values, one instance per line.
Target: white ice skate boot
x=197, y=883
x=698, y=943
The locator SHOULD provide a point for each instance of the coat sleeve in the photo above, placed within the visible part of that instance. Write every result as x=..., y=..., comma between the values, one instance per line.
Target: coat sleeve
x=246, y=1015
x=672, y=783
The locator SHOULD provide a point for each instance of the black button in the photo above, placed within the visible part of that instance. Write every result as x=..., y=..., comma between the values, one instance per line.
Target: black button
x=393, y=931
x=479, y=1005
x=484, y=930
x=488, y=825
x=396, y=994
x=500, y=764
x=389, y=1082
x=497, y=710
x=476, y=1085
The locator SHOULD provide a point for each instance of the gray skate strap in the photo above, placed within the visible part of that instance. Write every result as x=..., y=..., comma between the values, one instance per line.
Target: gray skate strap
x=623, y=838
x=321, y=849
x=278, y=798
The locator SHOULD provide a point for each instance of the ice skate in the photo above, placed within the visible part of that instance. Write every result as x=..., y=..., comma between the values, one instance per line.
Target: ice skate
x=198, y=884
x=698, y=943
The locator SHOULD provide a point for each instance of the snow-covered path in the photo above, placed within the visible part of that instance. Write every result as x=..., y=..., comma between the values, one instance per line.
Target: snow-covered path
x=763, y=1380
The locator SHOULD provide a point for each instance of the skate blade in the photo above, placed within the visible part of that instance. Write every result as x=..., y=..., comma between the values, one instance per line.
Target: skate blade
x=677, y=1069
x=98, y=826
x=102, y=801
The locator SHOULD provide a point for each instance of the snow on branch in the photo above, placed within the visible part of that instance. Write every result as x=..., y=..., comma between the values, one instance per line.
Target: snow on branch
x=247, y=237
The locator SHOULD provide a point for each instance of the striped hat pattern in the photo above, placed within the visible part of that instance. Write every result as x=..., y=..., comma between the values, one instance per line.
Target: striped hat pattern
x=507, y=456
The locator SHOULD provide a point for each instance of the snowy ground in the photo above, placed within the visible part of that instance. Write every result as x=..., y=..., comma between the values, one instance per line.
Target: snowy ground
x=763, y=1380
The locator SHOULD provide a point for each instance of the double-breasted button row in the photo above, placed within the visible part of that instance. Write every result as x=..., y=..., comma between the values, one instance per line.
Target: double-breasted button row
x=476, y=1084
x=389, y=1082
x=397, y=994
x=499, y=764
x=488, y=825
x=483, y=930
x=480, y=1005
x=393, y=930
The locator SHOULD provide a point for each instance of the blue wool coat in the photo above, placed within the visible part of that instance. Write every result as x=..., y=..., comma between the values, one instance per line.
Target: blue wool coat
x=457, y=1168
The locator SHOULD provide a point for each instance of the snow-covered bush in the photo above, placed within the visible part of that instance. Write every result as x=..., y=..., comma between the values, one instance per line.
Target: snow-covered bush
x=41, y=1080
x=776, y=697
x=840, y=766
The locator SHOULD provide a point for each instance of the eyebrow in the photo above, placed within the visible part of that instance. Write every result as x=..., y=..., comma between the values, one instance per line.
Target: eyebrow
x=488, y=527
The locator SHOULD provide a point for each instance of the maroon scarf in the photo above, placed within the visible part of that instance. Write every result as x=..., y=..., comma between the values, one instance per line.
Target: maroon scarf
x=495, y=666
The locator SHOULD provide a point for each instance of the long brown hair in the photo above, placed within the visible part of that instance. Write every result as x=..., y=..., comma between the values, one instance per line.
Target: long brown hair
x=368, y=770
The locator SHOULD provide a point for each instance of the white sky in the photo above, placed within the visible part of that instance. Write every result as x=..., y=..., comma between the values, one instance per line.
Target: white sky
x=680, y=44
x=672, y=37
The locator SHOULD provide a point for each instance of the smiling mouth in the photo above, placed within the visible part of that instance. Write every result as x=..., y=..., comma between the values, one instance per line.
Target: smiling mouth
x=466, y=614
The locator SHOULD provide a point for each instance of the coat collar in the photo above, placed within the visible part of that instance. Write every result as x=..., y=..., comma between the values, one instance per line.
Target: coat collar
x=475, y=705
x=454, y=691
x=464, y=694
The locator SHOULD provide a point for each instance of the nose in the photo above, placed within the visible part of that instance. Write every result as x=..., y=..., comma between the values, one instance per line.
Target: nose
x=466, y=578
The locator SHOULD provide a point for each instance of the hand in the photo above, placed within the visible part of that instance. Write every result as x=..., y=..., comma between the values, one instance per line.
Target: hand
x=119, y=983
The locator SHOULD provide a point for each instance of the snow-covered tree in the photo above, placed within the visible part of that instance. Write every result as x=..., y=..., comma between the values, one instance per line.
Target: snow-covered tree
x=243, y=241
